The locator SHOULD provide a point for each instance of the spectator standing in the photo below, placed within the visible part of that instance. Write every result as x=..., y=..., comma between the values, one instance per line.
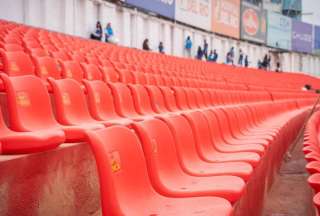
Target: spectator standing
x=188, y=46
x=231, y=55
x=145, y=45
x=97, y=34
x=215, y=56
x=205, y=48
x=269, y=63
x=278, y=69
x=199, y=53
x=246, y=61
x=240, y=60
x=264, y=63
x=108, y=32
x=161, y=47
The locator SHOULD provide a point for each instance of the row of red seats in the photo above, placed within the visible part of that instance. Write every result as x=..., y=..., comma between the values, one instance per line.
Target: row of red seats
x=181, y=146
x=311, y=150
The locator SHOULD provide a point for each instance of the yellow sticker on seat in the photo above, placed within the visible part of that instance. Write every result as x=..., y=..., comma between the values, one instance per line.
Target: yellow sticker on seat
x=115, y=163
x=97, y=98
x=66, y=99
x=23, y=99
x=14, y=66
x=68, y=73
x=44, y=70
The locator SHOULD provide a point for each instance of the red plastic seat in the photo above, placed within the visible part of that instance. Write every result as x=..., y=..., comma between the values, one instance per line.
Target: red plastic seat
x=38, y=52
x=157, y=100
x=73, y=70
x=71, y=106
x=91, y=72
x=123, y=101
x=16, y=63
x=101, y=103
x=181, y=98
x=141, y=100
x=31, y=114
x=110, y=74
x=125, y=76
x=47, y=67
x=118, y=154
x=169, y=98
x=166, y=172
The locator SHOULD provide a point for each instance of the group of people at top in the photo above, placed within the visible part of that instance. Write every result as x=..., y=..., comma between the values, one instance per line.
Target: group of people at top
x=202, y=51
x=98, y=33
x=212, y=56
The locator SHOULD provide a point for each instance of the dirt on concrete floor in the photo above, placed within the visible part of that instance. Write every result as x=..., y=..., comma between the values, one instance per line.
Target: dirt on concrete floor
x=290, y=194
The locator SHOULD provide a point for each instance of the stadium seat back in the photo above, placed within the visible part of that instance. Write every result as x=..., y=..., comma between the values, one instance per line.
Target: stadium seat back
x=91, y=72
x=29, y=103
x=100, y=100
x=70, y=102
x=16, y=63
x=122, y=169
x=141, y=99
x=47, y=67
x=72, y=70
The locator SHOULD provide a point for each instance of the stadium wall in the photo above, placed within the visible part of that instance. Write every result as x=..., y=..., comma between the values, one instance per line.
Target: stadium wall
x=78, y=17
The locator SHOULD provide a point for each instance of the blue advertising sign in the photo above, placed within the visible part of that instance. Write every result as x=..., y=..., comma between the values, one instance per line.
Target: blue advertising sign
x=162, y=7
x=301, y=36
x=279, y=29
x=317, y=39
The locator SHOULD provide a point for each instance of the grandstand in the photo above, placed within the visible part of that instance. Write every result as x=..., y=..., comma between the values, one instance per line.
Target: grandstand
x=94, y=128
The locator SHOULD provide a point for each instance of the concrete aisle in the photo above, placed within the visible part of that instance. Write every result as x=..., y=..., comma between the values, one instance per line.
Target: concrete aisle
x=290, y=194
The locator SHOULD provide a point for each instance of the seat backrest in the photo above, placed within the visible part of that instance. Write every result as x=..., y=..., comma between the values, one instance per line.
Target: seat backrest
x=47, y=67
x=181, y=98
x=91, y=72
x=121, y=167
x=70, y=102
x=38, y=52
x=29, y=103
x=141, y=99
x=184, y=139
x=191, y=98
x=110, y=74
x=123, y=99
x=72, y=70
x=100, y=100
x=16, y=63
x=159, y=147
x=140, y=78
x=169, y=98
x=201, y=132
x=157, y=99
x=125, y=76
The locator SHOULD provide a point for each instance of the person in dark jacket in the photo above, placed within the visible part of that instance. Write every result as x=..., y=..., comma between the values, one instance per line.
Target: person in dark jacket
x=205, y=48
x=246, y=61
x=199, y=53
x=161, y=47
x=97, y=34
x=145, y=45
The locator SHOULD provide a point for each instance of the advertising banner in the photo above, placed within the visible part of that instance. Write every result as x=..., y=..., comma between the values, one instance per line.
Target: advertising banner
x=162, y=7
x=317, y=39
x=301, y=36
x=194, y=12
x=279, y=29
x=253, y=23
x=226, y=17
